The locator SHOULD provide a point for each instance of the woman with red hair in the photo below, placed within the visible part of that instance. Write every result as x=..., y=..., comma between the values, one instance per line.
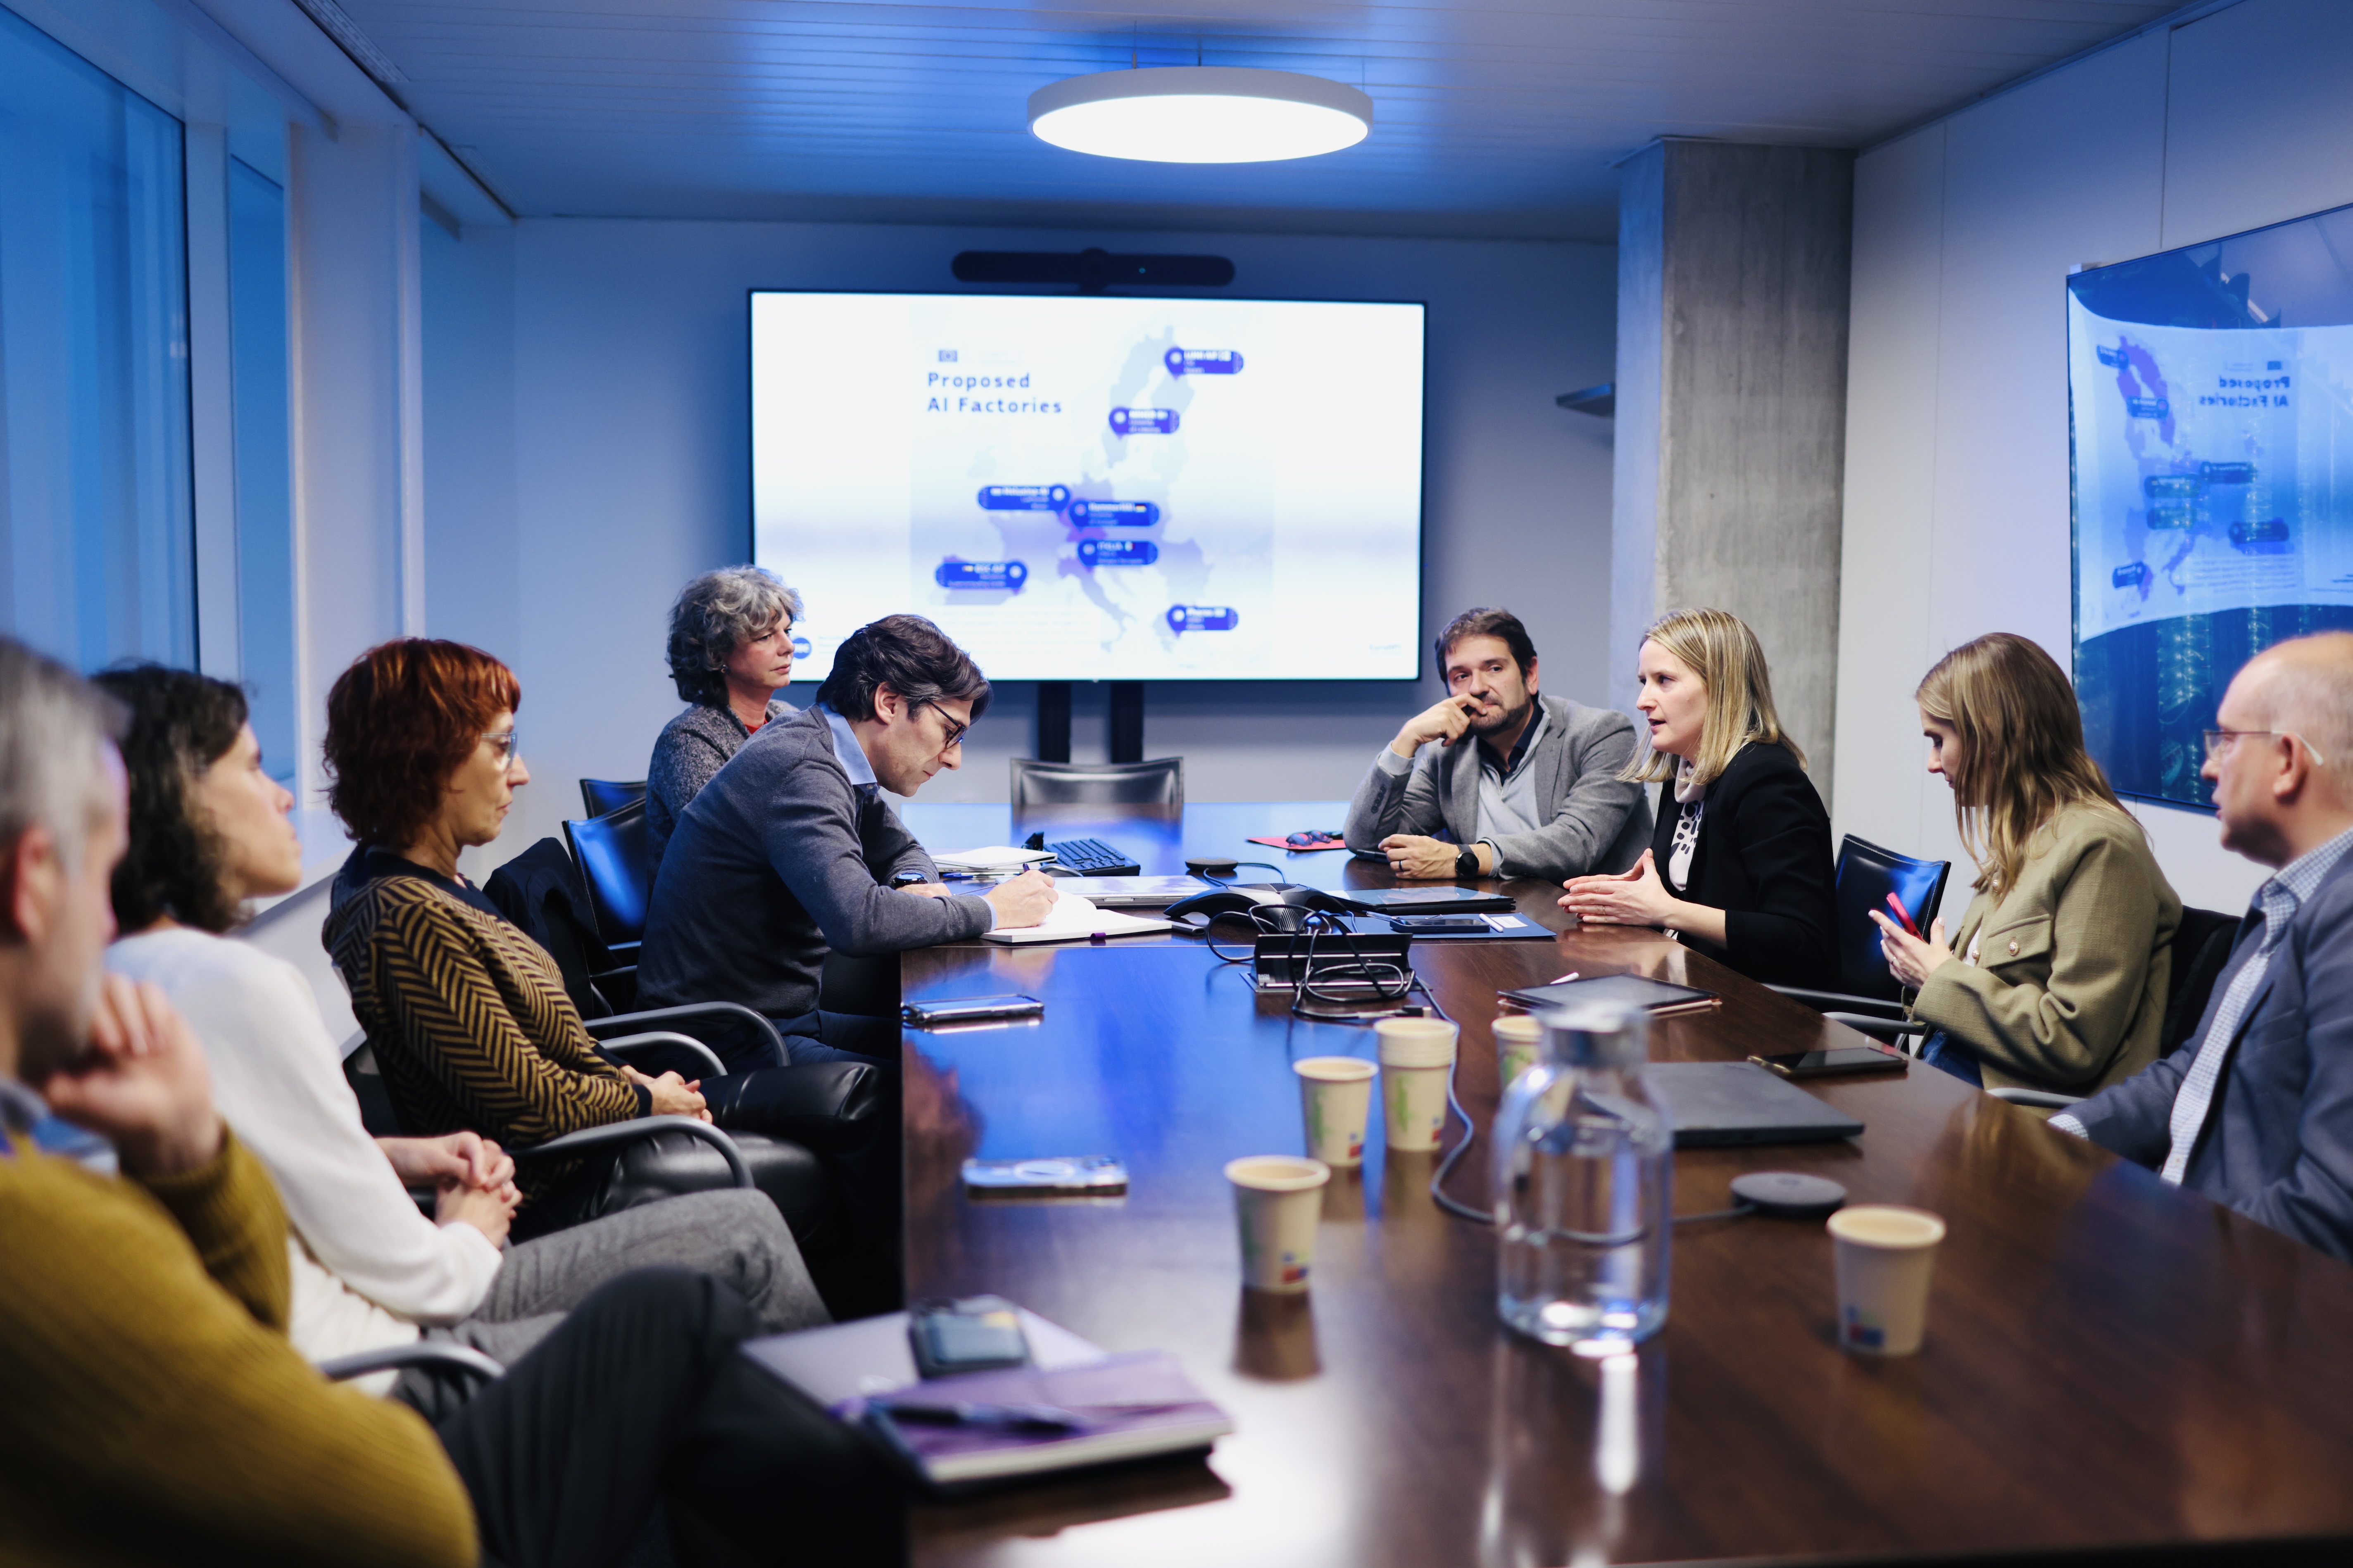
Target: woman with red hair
x=471, y=1025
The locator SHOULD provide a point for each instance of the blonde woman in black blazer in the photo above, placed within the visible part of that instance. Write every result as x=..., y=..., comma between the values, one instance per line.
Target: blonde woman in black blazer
x=1739, y=865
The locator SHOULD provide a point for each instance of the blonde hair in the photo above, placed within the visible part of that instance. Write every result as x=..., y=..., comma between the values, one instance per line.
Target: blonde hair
x=1719, y=648
x=2022, y=756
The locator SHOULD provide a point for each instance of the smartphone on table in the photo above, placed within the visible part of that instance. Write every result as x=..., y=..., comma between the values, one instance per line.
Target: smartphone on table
x=1835, y=1063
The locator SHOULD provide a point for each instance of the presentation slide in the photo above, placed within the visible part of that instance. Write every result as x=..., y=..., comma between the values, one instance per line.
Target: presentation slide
x=2213, y=516
x=1087, y=488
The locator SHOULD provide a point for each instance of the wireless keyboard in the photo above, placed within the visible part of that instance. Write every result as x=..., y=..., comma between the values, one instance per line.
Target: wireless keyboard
x=1093, y=858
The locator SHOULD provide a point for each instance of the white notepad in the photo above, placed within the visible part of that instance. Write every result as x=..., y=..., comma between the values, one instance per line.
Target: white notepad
x=1072, y=919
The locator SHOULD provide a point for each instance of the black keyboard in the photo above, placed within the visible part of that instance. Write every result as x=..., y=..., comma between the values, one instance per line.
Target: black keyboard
x=1093, y=858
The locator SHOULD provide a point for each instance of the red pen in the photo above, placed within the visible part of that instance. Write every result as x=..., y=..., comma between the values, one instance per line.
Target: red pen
x=1896, y=904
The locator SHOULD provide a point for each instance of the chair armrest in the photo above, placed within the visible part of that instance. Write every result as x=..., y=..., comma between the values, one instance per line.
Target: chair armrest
x=663, y=1039
x=1878, y=1028
x=2041, y=1098
x=423, y=1353
x=590, y=1139
x=654, y=1018
x=1819, y=1000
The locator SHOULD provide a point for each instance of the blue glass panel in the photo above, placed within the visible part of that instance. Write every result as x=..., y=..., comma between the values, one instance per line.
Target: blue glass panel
x=97, y=528
x=265, y=500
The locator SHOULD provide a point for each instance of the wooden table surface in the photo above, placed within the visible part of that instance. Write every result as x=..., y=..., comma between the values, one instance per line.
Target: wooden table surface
x=2110, y=1362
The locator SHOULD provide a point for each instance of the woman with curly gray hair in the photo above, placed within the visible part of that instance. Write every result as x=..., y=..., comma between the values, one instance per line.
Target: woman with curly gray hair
x=730, y=651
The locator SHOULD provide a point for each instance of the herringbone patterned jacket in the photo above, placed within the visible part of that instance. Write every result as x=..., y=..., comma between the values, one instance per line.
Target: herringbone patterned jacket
x=470, y=1021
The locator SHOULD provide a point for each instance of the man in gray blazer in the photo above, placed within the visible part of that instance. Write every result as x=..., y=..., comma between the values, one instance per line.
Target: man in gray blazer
x=2257, y=1111
x=1535, y=795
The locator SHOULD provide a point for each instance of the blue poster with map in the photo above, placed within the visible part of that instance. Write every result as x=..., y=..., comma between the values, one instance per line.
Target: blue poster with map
x=2210, y=392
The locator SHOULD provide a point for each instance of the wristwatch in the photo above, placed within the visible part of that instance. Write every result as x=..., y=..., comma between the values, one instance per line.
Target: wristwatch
x=908, y=878
x=1466, y=864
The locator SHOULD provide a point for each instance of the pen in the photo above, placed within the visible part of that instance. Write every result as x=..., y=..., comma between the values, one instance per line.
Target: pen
x=1011, y=1417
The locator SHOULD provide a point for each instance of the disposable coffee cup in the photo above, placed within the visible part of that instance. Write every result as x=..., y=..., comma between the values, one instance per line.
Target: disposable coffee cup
x=1515, y=1045
x=1277, y=1201
x=1335, y=1096
x=1886, y=1256
x=1417, y=1056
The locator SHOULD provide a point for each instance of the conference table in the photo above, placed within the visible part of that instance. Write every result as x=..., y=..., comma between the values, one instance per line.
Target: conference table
x=2110, y=1363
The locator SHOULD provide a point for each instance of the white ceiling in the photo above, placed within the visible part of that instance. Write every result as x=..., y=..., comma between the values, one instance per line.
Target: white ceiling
x=1494, y=118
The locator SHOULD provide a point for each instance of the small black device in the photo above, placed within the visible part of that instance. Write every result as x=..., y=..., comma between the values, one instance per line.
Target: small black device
x=1212, y=865
x=970, y=1010
x=1834, y=1063
x=1788, y=1195
x=1343, y=963
x=975, y=1333
x=1092, y=858
x=1433, y=925
x=1248, y=897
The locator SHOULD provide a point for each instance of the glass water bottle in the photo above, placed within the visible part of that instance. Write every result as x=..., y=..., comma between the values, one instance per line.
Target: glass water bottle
x=1584, y=1174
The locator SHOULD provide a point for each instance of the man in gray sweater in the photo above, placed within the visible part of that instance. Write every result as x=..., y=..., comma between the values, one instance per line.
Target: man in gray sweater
x=1521, y=785
x=791, y=849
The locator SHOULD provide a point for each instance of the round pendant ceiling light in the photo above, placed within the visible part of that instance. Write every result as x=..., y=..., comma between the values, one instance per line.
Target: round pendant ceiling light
x=1202, y=114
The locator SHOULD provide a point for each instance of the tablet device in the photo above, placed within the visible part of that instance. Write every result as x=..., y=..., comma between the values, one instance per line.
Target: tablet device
x=1657, y=997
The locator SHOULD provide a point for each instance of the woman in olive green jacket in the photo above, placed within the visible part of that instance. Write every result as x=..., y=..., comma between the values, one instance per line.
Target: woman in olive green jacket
x=2056, y=978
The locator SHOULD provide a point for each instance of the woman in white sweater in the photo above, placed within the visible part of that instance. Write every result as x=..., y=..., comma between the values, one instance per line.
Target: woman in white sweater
x=209, y=830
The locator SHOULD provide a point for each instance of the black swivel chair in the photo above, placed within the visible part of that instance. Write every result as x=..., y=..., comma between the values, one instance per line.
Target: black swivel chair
x=2200, y=952
x=1160, y=781
x=610, y=851
x=1869, y=999
x=602, y=797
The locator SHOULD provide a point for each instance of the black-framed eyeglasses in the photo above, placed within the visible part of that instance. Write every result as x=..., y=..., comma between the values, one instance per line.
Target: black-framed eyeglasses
x=504, y=743
x=955, y=730
x=2219, y=740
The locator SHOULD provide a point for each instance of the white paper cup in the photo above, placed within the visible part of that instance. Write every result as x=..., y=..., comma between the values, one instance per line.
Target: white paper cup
x=1335, y=1095
x=1417, y=1056
x=1516, y=1035
x=1277, y=1201
x=1885, y=1256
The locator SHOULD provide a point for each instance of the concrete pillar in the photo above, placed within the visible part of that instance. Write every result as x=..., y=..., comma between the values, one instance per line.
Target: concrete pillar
x=1731, y=424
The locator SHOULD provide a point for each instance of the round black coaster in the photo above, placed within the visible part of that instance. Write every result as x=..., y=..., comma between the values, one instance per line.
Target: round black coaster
x=1788, y=1194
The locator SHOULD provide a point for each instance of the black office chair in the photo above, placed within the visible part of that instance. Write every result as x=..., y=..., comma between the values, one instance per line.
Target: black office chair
x=1869, y=998
x=610, y=851
x=602, y=797
x=1160, y=781
x=2201, y=951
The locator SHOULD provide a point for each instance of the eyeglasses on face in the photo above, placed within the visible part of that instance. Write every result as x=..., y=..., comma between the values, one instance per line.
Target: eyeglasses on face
x=955, y=730
x=2219, y=740
x=504, y=746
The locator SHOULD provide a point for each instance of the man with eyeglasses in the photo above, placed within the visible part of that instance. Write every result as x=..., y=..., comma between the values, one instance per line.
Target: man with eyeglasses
x=2257, y=1111
x=791, y=851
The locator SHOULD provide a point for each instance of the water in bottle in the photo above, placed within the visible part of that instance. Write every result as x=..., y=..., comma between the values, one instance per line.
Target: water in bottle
x=1584, y=1172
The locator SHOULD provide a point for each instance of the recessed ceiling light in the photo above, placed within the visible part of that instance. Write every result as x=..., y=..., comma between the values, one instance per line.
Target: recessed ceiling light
x=1202, y=114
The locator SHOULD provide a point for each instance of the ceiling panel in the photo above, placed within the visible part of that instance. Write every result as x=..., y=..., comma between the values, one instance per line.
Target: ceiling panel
x=1490, y=119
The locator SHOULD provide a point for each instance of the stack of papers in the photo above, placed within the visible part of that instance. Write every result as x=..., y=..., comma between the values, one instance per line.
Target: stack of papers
x=1073, y=918
x=999, y=857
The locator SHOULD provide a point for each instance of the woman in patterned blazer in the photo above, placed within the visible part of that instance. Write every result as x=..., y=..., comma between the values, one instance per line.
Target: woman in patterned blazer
x=470, y=1021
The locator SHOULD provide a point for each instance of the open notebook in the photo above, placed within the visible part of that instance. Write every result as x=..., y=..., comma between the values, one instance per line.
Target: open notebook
x=1073, y=918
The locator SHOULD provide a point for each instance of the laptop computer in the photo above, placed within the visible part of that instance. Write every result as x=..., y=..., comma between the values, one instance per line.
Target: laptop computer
x=1718, y=1103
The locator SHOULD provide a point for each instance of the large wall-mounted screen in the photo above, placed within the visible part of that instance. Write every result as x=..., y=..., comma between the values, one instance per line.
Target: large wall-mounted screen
x=1094, y=489
x=2211, y=395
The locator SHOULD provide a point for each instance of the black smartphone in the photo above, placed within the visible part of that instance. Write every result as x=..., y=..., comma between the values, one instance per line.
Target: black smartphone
x=1830, y=1064
x=977, y=1333
x=970, y=1010
x=1424, y=925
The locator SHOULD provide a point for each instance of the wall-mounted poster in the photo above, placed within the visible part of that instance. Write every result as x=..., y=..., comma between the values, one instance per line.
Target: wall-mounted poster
x=2211, y=391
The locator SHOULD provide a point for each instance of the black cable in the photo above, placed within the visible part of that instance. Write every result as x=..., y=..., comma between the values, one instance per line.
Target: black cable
x=1470, y=1134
